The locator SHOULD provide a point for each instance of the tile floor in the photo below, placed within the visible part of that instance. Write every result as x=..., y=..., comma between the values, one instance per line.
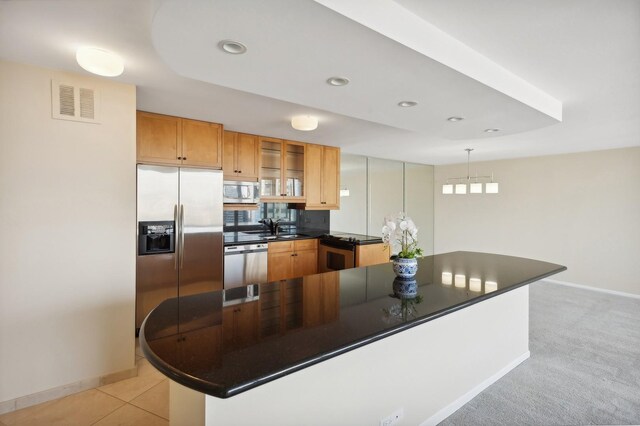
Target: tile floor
x=141, y=400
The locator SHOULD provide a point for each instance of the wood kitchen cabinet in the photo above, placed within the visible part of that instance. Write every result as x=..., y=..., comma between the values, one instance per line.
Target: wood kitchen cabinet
x=290, y=259
x=175, y=141
x=322, y=174
x=241, y=156
x=282, y=170
x=372, y=254
x=320, y=299
x=240, y=325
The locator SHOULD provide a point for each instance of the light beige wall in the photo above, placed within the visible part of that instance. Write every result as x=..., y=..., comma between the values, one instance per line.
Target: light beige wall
x=67, y=251
x=579, y=210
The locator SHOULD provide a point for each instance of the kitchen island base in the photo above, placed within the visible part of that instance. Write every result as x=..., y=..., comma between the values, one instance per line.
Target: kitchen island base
x=427, y=371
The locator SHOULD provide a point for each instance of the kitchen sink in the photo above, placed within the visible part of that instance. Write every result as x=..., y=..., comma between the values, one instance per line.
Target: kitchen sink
x=268, y=236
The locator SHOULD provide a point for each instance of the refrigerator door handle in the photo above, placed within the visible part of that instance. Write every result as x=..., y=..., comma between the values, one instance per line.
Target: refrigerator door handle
x=176, y=230
x=181, y=235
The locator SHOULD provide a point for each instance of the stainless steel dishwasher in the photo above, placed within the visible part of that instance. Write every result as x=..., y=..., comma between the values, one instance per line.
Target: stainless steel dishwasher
x=245, y=264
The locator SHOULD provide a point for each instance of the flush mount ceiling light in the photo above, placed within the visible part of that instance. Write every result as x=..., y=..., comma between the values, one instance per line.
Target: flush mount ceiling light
x=233, y=47
x=407, y=104
x=491, y=130
x=338, y=81
x=454, y=119
x=100, y=61
x=304, y=122
x=474, y=183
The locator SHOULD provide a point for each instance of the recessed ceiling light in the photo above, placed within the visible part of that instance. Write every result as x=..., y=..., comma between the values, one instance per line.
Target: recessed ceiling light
x=454, y=119
x=407, y=104
x=233, y=47
x=491, y=130
x=100, y=61
x=304, y=123
x=338, y=81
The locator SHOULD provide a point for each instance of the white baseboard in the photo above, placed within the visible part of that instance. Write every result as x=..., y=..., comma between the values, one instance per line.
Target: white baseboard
x=65, y=390
x=458, y=403
x=586, y=287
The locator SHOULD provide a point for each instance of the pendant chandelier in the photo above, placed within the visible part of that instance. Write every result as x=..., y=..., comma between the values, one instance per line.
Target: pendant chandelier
x=470, y=184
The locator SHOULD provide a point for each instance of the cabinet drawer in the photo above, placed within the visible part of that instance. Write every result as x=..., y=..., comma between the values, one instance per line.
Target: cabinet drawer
x=280, y=246
x=310, y=244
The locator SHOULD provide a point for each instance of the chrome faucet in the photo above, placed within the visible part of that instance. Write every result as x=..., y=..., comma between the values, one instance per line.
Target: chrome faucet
x=273, y=225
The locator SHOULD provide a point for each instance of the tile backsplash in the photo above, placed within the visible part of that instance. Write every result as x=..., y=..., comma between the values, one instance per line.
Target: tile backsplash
x=290, y=218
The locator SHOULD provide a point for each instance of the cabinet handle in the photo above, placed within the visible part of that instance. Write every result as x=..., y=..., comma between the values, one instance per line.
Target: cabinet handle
x=179, y=158
x=239, y=171
x=235, y=171
x=184, y=158
x=175, y=220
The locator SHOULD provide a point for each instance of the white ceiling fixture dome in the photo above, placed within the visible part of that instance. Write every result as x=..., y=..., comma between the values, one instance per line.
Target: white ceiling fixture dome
x=100, y=61
x=304, y=123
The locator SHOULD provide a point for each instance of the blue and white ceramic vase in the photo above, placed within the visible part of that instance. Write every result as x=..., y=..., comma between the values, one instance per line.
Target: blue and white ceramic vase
x=405, y=268
x=405, y=288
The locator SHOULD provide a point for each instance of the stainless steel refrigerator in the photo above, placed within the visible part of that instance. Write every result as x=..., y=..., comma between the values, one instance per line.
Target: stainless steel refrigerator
x=180, y=239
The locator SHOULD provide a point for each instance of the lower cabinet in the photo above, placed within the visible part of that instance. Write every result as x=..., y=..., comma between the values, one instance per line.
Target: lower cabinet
x=240, y=325
x=291, y=259
x=372, y=254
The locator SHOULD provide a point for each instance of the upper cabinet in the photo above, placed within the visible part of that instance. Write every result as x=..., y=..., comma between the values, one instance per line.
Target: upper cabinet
x=241, y=159
x=322, y=171
x=163, y=139
x=288, y=171
x=282, y=170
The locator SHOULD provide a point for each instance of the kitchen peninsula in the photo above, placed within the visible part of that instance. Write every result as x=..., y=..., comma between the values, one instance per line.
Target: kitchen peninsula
x=346, y=347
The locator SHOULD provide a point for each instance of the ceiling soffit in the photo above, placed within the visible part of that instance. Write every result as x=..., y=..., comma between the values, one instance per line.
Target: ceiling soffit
x=294, y=46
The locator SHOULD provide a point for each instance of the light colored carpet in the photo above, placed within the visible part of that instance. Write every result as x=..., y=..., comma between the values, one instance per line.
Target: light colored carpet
x=584, y=367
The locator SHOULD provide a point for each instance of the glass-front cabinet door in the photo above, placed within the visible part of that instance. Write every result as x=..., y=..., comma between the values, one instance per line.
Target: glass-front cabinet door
x=271, y=169
x=282, y=170
x=294, y=169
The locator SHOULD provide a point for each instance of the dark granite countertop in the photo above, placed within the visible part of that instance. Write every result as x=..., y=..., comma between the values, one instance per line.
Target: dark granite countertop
x=235, y=238
x=227, y=342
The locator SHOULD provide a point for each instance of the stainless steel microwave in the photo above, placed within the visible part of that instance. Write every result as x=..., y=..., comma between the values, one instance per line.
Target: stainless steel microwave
x=241, y=192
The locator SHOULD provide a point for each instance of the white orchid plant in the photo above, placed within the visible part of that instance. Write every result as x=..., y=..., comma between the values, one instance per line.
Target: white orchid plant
x=401, y=233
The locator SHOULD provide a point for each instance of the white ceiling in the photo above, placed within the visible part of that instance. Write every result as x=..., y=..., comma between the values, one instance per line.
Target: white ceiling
x=513, y=64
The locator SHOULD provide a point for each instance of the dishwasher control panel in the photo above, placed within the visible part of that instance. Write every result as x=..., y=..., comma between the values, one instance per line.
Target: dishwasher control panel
x=245, y=248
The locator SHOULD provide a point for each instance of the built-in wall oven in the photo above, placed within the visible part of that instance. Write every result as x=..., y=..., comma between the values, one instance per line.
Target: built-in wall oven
x=338, y=251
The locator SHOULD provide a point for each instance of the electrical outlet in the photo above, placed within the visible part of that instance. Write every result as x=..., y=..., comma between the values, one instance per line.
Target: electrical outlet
x=393, y=418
